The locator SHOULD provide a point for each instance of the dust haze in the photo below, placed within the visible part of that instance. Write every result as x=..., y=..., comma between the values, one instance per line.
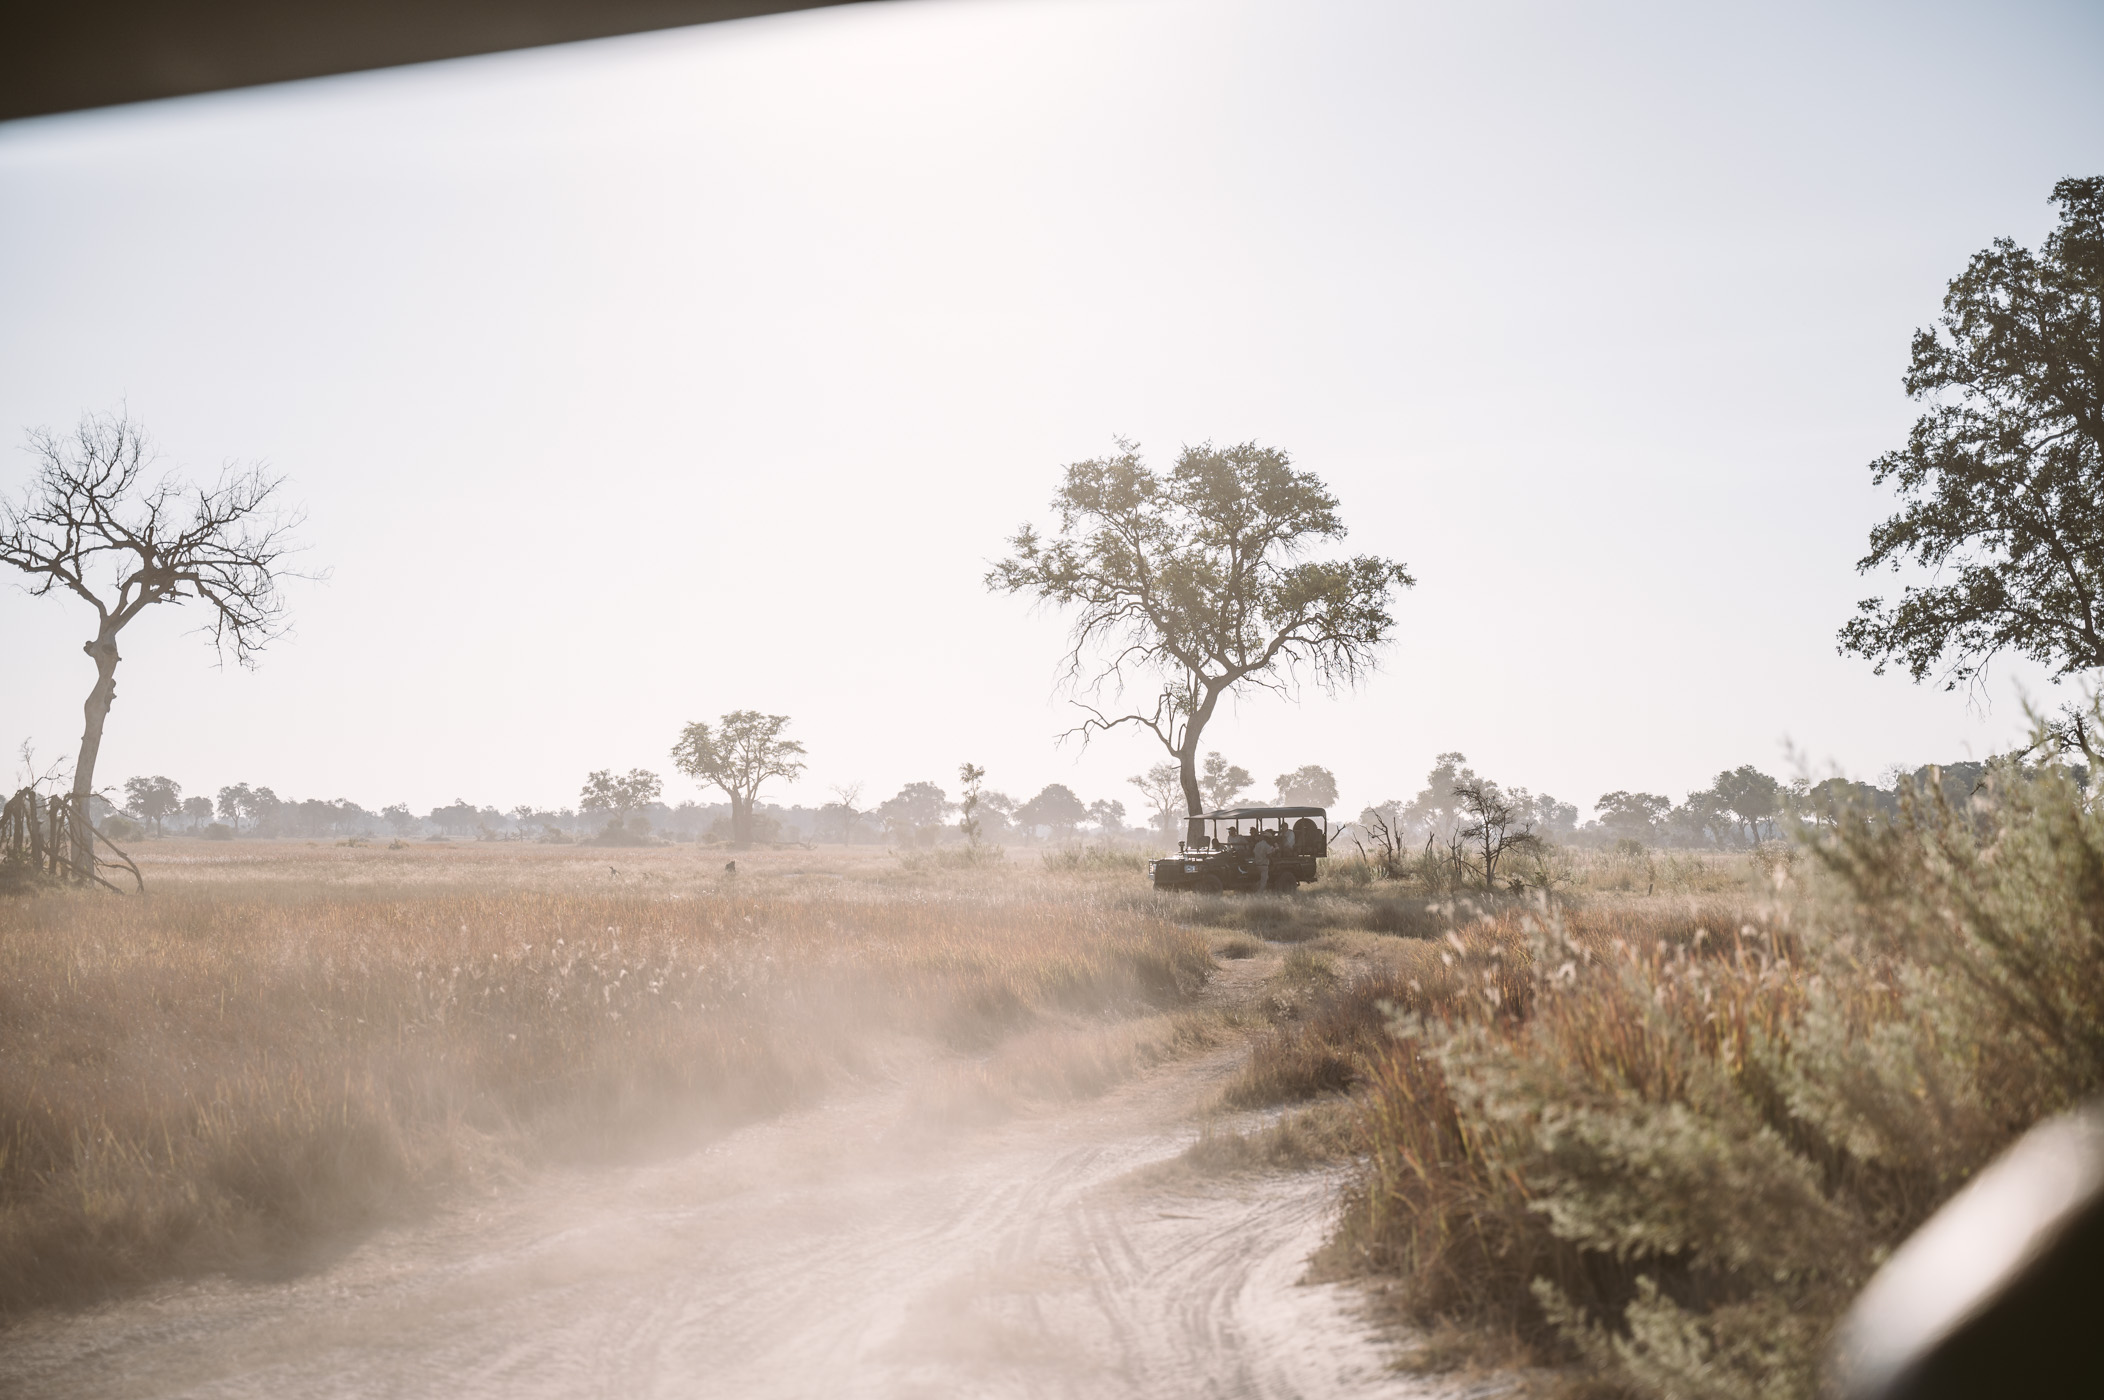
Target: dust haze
x=978, y=697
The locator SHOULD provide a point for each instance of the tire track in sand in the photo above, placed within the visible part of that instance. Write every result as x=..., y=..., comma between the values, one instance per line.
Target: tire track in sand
x=825, y=1254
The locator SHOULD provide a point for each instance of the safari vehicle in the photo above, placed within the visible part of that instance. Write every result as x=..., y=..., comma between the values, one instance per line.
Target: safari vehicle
x=1298, y=836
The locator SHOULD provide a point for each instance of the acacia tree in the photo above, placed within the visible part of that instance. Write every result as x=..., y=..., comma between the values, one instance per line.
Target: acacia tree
x=1497, y=823
x=1056, y=807
x=153, y=799
x=616, y=793
x=236, y=801
x=845, y=805
x=1310, y=786
x=90, y=523
x=915, y=812
x=1163, y=790
x=1632, y=816
x=1221, y=782
x=1193, y=584
x=1750, y=797
x=743, y=751
x=2003, y=479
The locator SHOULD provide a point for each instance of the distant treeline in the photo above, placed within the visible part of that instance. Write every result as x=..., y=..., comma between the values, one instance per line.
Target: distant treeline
x=1742, y=807
x=615, y=810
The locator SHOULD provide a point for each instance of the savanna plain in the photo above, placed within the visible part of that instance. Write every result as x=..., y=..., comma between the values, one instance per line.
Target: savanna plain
x=507, y=1118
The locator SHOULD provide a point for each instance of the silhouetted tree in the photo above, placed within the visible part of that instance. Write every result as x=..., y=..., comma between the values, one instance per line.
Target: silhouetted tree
x=1553, y=818
x=237, y=802
x=2003, y=479
x=1750, y=797
x=1496, y=823
x=464, y=816
x=197, y=811
x=997, y=810
x=1107, y=815
x=1056, y=807
x=1306, y=787
x=1195, y=582
x=1435, y=813
x=614, y=794
x=89, y=523
x=152, y=799
x=739, y=755
x=971, y=775
x=844, y=809
x=915, y=808
x=1222, y=782
x=1163, y=789
x=1632, y=816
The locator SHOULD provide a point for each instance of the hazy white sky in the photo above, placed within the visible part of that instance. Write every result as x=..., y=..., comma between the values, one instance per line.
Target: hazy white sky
x=633, y=382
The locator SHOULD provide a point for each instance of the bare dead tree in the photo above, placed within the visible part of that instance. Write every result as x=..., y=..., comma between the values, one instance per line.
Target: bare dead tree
x=1390, y=851
x=1497, y=825
x=91, y=524
x=847, y=798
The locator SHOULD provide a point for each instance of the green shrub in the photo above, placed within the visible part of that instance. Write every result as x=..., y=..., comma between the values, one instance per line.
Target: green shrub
x=1678, y=1151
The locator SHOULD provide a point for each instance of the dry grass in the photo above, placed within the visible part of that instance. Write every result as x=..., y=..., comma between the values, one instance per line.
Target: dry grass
x=1637, y=996
x=282, y=1044
x=1671, y=1136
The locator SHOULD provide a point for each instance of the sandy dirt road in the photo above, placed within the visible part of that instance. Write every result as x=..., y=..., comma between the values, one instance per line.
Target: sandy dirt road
x=829, y=1253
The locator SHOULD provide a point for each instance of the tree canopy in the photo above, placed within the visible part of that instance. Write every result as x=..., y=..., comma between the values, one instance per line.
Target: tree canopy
x=153, y=799
x=916, y=808
x=738, y=755
x=615, y=793
x=1055, y=806
x=1222, y=782
x=2002, y=480
x=1194, y=584
x=1308, y=786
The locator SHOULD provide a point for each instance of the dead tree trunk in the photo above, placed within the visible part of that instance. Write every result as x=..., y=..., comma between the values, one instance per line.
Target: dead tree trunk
x=97, y=710
x=43, y=837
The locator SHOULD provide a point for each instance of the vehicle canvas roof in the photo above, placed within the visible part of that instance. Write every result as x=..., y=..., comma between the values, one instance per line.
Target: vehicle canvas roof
x=1230, y=814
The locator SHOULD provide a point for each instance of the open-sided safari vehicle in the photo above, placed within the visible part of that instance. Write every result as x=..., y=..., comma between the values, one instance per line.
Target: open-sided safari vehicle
x=1226, y=859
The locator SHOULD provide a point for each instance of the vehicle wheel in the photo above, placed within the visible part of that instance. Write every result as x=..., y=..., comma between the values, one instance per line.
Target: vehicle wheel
x=1208, y=884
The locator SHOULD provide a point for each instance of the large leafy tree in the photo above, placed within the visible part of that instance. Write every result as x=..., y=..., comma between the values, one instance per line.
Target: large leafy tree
x=604, y=790
x=1193, y=585
x=153, y=799
x=2002, y=480
x=1750, y=797
x=1310, y=786
x=741, y=752
x=1057, y=807
x=914, y=809
x=1221, y=782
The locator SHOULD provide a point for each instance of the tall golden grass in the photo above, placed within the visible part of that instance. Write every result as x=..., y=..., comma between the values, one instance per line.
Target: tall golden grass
x=281, y=1045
